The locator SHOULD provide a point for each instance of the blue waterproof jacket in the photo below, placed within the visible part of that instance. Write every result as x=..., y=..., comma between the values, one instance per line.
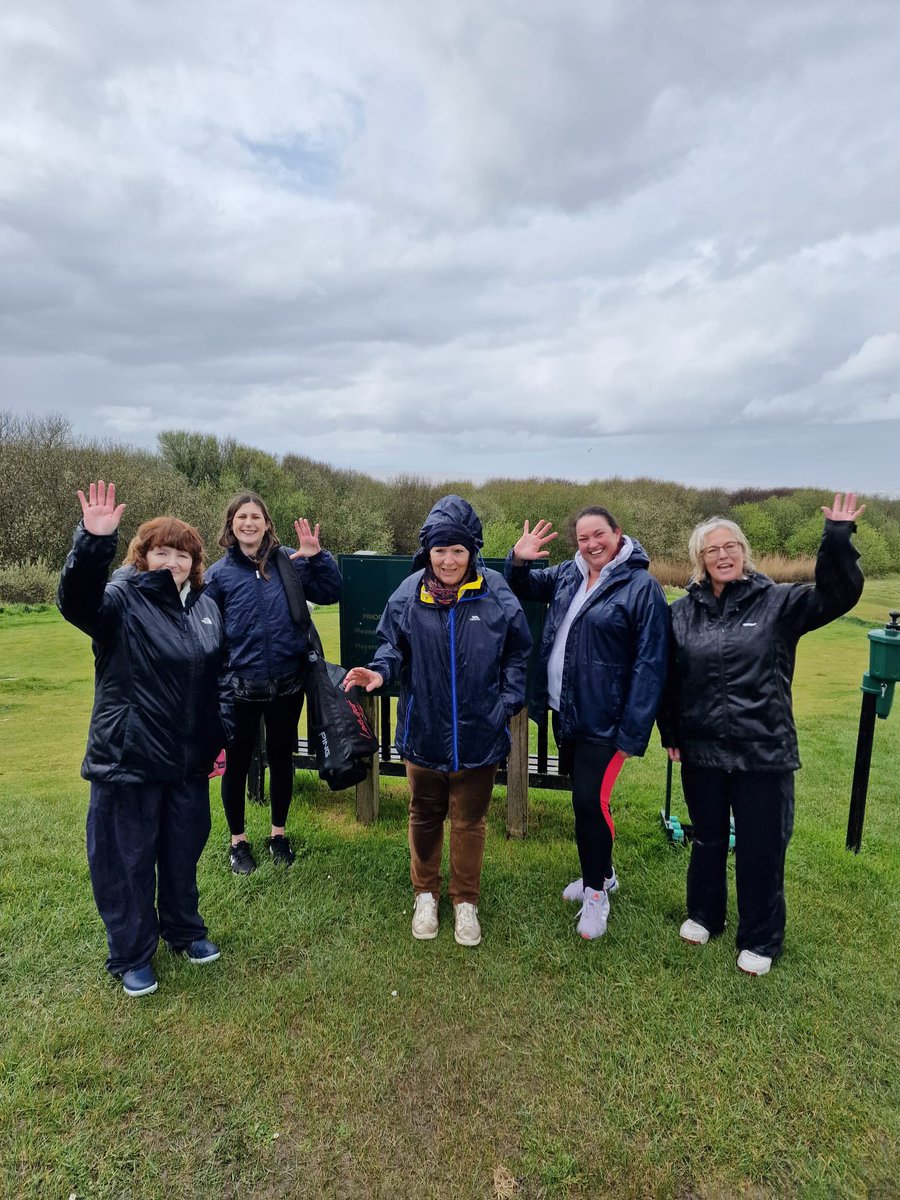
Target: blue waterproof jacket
x=614, y=670
x=159, y=713
x=262, y=640
x=461, y=671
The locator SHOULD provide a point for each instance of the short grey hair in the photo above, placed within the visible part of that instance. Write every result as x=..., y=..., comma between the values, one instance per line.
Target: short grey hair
x=699, y=536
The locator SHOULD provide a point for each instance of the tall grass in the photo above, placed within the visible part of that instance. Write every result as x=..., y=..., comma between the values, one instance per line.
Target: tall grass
x=675, y=574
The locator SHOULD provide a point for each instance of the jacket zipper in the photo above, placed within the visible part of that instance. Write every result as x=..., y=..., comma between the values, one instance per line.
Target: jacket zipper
x=453, y=708
x=193, y=646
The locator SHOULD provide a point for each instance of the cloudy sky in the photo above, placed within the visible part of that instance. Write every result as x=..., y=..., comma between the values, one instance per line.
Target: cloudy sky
x=551, y=237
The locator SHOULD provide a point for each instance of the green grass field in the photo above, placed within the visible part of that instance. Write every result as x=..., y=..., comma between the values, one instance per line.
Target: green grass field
x=328, y=1054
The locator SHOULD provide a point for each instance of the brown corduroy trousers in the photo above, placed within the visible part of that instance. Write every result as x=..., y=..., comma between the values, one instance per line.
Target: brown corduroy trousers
x=465, y=797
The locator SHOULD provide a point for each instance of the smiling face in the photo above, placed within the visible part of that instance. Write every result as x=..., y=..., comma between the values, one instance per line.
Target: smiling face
x=449, y=563
x=167, y=558
x=598, y=542
x=723, y=558
x=249, y=527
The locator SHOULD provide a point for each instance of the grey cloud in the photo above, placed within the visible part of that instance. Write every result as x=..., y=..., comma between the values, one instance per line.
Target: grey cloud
x=383, y=230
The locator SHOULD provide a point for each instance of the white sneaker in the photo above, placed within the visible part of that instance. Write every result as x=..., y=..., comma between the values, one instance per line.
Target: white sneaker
x=467, y=931
x=694, y=932
x=574, y=892
x=425, y=917
x=594, y=914
x=753, y=964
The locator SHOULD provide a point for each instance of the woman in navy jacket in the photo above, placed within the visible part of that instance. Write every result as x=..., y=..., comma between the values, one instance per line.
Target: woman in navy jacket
x=266, y=659
x=728, y=720
x=155, y=729
x=602, y=672
x=456, y=638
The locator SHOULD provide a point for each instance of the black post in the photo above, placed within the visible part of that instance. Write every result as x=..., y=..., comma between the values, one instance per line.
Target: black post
x=256, y=776
x=668, y=787
x=542, y=745
x=861, y=772
x=386, y=729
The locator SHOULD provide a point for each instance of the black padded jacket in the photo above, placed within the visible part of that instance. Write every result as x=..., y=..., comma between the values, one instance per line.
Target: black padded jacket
x=728, y=699
x=156, y=715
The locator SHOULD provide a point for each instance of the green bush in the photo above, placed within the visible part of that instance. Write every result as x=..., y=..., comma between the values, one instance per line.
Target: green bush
x=499, y=538
x=31, y=582
x=759, y=528
x=875, y=557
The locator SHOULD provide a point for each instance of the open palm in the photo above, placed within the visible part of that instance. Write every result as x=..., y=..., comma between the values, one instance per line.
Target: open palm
x=99, y=511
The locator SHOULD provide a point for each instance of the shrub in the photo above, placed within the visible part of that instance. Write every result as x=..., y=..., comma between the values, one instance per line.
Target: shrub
x=759, y=528
x=31, y=582
x=499, y=538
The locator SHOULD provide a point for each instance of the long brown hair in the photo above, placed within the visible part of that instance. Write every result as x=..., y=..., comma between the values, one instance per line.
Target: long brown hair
x=269, y=543
x=167, y=531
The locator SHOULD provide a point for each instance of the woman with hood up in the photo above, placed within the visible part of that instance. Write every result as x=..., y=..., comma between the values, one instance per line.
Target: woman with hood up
x=602, y=673
x=456, y=638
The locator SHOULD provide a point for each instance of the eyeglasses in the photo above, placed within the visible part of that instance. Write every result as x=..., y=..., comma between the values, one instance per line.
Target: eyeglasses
x=730, y=548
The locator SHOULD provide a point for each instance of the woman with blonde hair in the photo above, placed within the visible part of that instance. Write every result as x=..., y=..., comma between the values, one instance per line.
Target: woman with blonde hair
x=728, y=720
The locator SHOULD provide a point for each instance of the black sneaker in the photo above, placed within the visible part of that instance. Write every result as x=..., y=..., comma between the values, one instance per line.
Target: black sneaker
x=280, y=849
x=241, y=858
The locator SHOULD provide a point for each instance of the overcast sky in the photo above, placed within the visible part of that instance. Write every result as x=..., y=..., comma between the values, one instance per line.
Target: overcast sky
x=463, y=239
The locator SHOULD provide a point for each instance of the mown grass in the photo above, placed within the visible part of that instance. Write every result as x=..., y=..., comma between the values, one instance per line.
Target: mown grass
x=328, y=1054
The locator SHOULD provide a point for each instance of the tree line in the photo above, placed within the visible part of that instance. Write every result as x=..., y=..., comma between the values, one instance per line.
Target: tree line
x=193, y=475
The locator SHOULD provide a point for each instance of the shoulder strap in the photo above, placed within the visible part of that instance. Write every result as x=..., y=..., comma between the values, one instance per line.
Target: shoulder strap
x=296, y=598
x=293, y=588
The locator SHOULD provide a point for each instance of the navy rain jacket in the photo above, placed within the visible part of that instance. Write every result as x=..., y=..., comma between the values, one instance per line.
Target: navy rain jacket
x=614, y=670
x=728, y=701
x=461, y=671
x=263, y=642
x=157, y=668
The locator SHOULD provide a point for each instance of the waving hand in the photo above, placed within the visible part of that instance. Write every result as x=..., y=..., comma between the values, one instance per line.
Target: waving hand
x=530, y=545
x=307, y=539
x=100, y=513
x=843, y=510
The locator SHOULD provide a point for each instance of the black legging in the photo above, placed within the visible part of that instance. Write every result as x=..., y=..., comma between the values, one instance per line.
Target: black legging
x=594, y=829
x=586, y=763
x=281, y=716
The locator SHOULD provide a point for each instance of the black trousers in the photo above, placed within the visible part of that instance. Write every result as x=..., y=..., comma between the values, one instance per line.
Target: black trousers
x=763, y=807
x=593, y=770
x=144, y=841
x=281, y=716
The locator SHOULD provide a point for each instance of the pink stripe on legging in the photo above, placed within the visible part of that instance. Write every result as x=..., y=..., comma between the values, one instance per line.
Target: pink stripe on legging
x=610, y=775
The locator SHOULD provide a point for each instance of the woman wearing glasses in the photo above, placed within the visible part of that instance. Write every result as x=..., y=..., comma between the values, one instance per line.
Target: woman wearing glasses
x=728, y=719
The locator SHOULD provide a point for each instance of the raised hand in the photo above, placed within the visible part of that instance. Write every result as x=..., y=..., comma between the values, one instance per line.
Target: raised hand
x=843, y=510
x=364, y=678
x=307, y=539
x=99, y=511
x=530, y=545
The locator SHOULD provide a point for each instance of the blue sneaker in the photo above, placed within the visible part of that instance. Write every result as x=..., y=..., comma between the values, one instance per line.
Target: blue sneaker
x=139, y=981
x=202, y=951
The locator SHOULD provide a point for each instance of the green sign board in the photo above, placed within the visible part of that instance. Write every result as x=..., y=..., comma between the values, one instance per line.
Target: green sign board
x=369, y=580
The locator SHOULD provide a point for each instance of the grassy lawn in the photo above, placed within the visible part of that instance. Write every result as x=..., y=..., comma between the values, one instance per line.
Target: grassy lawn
x=328, y=1054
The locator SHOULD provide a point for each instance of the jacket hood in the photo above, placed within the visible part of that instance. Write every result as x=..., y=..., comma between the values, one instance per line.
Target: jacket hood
x=638, y=556
x=458, y=517
x=702, y=593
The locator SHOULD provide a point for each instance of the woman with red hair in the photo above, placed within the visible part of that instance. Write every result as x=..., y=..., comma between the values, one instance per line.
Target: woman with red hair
x=154, y=733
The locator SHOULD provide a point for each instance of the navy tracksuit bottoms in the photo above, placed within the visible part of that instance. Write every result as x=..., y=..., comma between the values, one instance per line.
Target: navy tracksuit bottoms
x=763, y=807
x=144, y=841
